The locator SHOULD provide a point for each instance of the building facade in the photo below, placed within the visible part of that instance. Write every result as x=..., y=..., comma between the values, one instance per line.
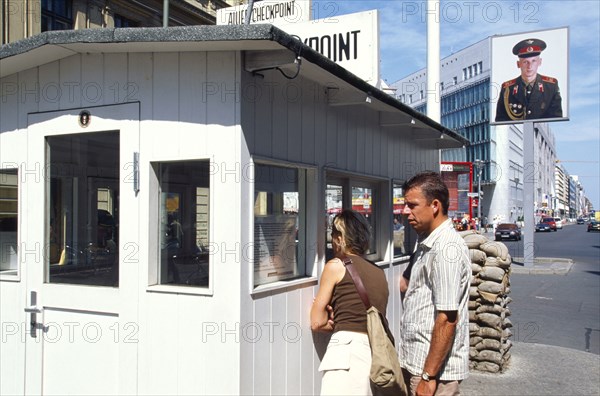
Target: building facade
x=26, y=18
x=466, y=93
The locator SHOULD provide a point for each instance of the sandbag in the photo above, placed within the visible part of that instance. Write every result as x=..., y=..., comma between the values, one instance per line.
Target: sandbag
x=495, y=249
x=489, y=356
x=487, y=366
x=495, y=274
x=488, y=343
x=477, y=256
x=475, y=268
x=491, y=287
x=489, y=319
x=473, y=241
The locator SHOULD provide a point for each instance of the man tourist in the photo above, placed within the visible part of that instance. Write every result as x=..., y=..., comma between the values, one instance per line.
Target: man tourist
x=434, y=349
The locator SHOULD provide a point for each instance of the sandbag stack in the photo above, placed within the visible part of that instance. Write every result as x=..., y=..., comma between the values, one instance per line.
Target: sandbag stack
x=489, y=325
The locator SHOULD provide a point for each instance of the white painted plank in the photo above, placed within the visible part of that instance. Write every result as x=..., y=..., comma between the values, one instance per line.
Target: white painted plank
x=49, y=86
x=221, y=92
x=262, y=347
x=294, y=129
x=70, y=82
x=294, y=336
x=342, y=137
x=331, y=155
x=308, y=122
x=28, y=97
x=280, y=121
x=140, y=82
x=165, y=77
x=279, y=357
x=116, y=88
x=92, y=80
x=263, y=126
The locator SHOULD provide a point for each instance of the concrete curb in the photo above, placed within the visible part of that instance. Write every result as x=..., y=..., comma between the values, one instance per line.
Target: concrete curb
x=543, y=265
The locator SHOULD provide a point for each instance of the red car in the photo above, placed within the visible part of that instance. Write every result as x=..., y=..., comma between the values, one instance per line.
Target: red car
x=550, y=221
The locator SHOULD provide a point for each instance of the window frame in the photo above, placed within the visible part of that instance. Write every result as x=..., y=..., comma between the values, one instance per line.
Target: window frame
x=379, y=185
x=310, y=220
x=410, y=236
x=14, y=275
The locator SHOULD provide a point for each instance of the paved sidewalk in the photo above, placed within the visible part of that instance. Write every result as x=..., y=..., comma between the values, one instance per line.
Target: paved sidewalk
x=542, y=265
x=537, y=369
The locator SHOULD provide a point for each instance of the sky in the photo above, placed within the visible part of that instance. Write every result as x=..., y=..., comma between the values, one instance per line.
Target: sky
x=403, y=50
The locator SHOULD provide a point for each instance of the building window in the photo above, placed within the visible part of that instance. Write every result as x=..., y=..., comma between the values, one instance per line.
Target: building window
x=455, y=80
x=9, y=221
x=82, y=229
x=422, y=97
x=184, y=222
x=480, y=65
x=122, y=22
x=410, y=98
x=57, y=15
x=279, y=223
x=441, y=86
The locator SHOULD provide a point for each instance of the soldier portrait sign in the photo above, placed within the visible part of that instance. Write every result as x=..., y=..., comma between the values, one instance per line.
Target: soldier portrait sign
x=530, y=77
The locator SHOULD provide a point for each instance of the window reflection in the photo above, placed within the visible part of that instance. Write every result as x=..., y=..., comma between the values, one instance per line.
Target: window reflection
x=279, y=223
x=184, y=223
x=83, y=212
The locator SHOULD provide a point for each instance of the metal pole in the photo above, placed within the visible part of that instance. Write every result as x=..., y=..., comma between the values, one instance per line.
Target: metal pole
x=165, y=13
x=249, y=11
x=433, y=60
x=530, y=175
x=479, y=164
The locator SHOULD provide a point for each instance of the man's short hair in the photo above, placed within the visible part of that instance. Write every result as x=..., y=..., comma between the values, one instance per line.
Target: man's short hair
x=432, y=186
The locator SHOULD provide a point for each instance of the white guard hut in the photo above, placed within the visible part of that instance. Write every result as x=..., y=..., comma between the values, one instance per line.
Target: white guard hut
x=164, y=206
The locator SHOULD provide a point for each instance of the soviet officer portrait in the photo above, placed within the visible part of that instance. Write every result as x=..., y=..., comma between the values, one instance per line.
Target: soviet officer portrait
x=531, y=95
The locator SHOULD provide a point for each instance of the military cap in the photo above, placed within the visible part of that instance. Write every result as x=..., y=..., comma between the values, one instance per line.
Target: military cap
x=528, y=48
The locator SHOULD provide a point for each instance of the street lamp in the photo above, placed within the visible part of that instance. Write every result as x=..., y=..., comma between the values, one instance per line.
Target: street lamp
x=479, y=165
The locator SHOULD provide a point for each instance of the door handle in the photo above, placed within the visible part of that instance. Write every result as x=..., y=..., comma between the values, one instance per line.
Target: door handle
x=33, y=310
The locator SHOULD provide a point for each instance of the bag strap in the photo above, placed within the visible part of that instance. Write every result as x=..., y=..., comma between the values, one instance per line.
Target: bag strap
x=362, y=292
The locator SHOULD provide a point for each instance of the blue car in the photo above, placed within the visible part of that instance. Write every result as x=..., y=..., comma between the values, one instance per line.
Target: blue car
x=539, y=227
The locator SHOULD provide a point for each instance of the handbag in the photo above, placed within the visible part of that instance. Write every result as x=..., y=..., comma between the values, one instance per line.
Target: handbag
x=386, y=373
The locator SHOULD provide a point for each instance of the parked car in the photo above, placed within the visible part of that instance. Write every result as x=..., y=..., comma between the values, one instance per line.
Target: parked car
x=550, y=221
x=558, y=222
x=580, y=220
x=593, y=225
x=542, y=227
x=508, y=231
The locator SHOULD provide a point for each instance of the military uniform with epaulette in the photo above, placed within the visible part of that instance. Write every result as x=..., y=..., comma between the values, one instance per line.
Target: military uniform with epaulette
x=541, y=99
x=522, y=101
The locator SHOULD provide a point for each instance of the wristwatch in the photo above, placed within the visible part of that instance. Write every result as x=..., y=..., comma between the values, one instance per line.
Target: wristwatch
x=426, y=377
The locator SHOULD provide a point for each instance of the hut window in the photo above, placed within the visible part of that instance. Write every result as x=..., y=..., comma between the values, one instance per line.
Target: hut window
x=358, y=194
x=184, y=223
x=279, y=223
x=82, y=215
x=9, y=220
x=403, y=235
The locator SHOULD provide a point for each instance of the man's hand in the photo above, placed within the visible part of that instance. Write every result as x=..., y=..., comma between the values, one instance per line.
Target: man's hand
x=426, y=388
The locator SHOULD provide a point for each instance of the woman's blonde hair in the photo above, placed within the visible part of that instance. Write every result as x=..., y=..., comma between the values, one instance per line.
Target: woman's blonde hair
x=355, y=231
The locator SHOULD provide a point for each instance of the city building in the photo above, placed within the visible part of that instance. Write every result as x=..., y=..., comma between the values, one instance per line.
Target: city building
x=26, y=18
x=466, y=93
x=166, y=217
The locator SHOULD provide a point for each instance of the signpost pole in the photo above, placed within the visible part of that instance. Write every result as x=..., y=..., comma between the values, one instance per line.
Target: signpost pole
x=529, y=188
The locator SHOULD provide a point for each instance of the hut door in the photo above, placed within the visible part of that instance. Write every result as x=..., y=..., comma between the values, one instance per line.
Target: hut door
x=81, y=263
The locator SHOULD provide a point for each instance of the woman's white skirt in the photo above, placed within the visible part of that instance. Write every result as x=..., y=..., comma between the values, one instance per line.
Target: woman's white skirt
x=346, y=365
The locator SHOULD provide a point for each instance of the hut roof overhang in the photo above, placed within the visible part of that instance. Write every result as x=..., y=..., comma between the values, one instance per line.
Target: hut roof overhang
x=260, y=44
